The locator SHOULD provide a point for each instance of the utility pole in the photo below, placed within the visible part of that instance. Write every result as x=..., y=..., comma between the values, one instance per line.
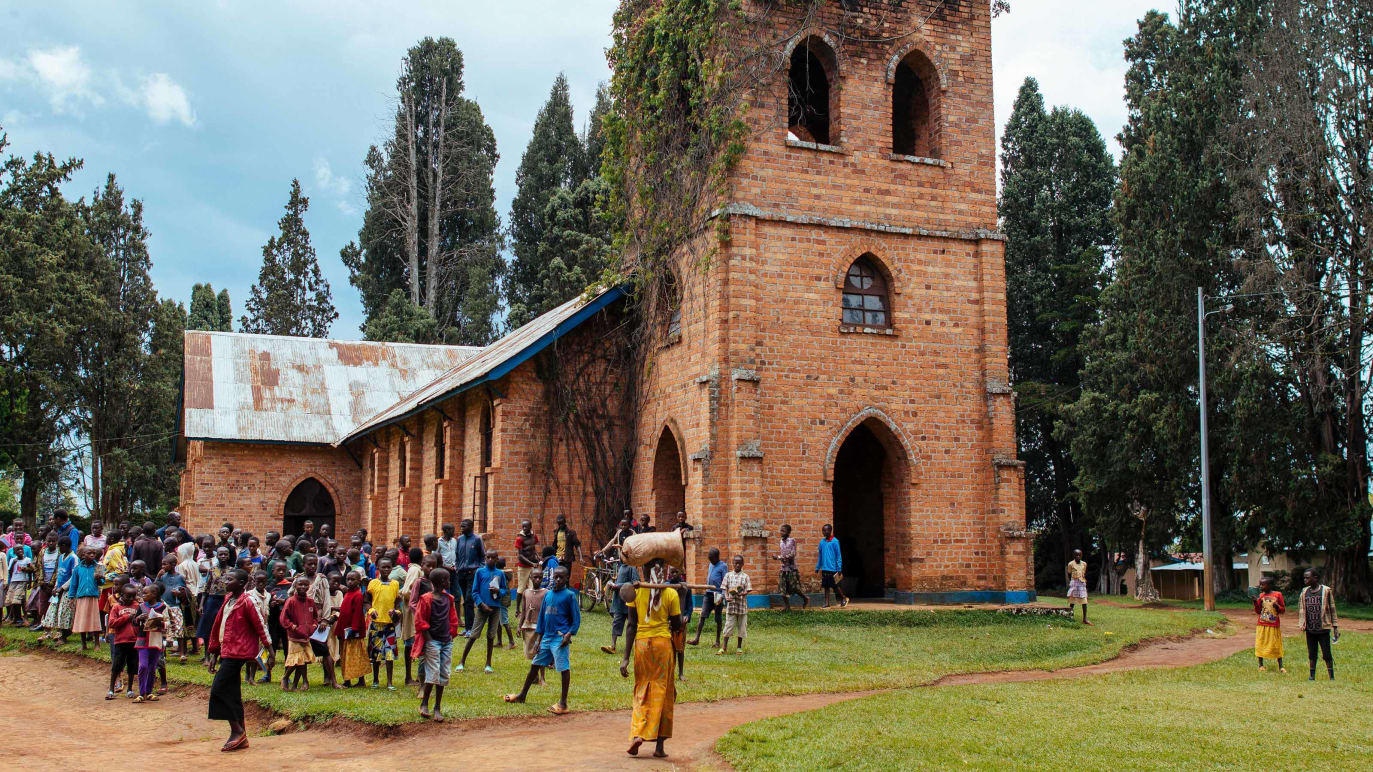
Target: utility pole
x=1208, y=583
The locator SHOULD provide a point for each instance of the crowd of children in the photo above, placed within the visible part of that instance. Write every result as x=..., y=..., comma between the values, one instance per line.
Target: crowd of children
x=350, y=606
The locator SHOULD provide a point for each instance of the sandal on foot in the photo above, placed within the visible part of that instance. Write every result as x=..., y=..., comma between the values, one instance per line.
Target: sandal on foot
x=139, y=699
x=239, y=745
x=558, y=710
x=513, y=698
x=425, y=713
x=109, y=695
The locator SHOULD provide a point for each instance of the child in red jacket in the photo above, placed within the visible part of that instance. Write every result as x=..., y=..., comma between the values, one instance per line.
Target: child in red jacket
x=436, y=624
x=300, y=619
x=123, y=633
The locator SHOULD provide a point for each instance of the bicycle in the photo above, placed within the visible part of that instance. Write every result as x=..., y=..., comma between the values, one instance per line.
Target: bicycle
x=596, y=582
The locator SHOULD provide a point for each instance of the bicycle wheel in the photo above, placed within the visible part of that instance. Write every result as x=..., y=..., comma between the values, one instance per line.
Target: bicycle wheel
x=591, y=591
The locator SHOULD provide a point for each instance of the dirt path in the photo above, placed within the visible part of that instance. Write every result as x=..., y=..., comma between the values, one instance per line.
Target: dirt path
x=174, y=732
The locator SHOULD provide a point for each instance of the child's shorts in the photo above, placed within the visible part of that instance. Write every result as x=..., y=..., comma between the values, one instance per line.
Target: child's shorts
x=438, y=661
x=735, y=625
x=505, y=614
x=553, y=653
x=827, y=580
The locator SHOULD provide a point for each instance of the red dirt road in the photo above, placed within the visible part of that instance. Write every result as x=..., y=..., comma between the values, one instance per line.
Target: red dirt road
x=174, y=733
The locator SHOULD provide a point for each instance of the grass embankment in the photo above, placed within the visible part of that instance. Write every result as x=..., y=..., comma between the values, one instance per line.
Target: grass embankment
x=798, y=653
x=1224, y=715
x=1347, y=609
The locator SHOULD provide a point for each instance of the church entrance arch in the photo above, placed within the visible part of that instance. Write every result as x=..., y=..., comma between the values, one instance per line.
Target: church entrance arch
x=867, y=494
x=309, y=500
x=669, y=487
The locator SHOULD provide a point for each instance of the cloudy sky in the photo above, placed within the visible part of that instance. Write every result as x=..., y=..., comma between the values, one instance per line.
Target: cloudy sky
x=206, y=110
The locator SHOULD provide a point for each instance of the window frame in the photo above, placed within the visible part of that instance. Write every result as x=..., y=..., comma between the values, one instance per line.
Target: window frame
x=880, y=287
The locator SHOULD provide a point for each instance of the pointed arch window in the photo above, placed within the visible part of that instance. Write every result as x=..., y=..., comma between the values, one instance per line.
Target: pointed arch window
x=866, y=296
x=440, y=448
x=811, y=93
x=915, y=108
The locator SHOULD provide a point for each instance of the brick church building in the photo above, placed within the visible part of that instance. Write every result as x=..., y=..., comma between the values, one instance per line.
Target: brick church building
x=841, y=360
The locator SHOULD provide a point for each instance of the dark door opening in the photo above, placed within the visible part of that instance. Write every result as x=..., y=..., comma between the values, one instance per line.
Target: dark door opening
x=669, y=490
x=859, y=515
x=310, y=500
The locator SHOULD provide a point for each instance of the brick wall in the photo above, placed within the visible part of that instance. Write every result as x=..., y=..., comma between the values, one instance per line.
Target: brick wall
x=247, y=484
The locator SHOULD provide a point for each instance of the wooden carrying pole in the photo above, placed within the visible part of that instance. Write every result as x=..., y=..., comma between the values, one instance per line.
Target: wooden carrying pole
x=654, y=586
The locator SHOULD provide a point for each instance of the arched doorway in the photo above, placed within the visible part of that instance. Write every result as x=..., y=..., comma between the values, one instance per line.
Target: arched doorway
x=309, y=500
x=864, y=477
x=669, y=489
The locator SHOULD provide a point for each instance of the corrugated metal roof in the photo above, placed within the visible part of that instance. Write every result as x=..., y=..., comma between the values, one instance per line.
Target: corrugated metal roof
x=273, y=388
x=494, y=361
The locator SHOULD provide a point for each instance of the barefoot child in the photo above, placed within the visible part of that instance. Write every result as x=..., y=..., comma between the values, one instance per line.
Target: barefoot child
x=737, y=587
x=259, y=596
x=559, y=619
x=1268, y=634
x=679, y=582
x=788, y=577
x=175, y=597
x=532, y=600
x=300, y=619
x=714, y=599
x=436, y=622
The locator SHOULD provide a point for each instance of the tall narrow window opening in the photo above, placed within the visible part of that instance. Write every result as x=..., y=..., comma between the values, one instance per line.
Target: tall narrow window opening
x=915, y=103
x=440, y=449
x=400, y=476
x=809, y=95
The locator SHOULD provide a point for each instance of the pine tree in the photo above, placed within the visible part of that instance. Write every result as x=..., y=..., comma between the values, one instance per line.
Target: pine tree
x=1134, y=429
x=226, y=312
x=551, y=162
x=153, y=481
x=291, y=297
x=111, y=347
x=1057, y=183
x=205, y=313
x=593, y=138
x=43, y=302
x=431, y=226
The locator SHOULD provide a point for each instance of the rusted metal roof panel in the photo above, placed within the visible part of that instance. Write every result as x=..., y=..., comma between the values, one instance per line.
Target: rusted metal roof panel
x=493, y=362
x=273, y=388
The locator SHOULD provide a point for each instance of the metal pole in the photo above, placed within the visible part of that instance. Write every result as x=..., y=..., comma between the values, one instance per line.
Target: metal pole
x=1208, y=584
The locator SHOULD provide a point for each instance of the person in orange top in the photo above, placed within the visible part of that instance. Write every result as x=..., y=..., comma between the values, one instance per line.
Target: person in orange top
x=1268, y=635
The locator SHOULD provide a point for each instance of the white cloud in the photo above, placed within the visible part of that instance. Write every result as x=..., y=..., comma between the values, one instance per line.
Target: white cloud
x=9, y=70
x=329, y=182
x=64, y=76
x=165, y=100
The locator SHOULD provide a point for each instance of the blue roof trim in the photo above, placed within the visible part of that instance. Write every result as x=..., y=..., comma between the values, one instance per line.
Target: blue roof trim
x=517, y=359
x=568, y=325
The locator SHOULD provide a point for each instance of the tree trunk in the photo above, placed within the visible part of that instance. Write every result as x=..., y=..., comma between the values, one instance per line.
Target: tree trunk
x=1144, y=580
x=412, y=203
x=1347, y=570
x=436, y=165
x=28, y=501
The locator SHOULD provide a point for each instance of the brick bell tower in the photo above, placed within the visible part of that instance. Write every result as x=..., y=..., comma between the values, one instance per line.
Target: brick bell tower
x=843, y=358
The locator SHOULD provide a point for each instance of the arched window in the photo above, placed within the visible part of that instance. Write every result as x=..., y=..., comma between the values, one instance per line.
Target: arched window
x=309, y=500
x=866, y=300
x=915, y=107
x=810, y=103
x=440, y=449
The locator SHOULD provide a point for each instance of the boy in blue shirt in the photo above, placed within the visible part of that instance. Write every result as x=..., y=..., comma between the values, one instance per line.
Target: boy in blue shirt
x=559, y=619
x=488, y=588
x=829, y=562
x=714, y=599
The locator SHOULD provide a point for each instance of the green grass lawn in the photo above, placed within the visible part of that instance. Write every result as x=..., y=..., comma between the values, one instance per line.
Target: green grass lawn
x=787, y=654
x=1345, y=608
x=1223, y=715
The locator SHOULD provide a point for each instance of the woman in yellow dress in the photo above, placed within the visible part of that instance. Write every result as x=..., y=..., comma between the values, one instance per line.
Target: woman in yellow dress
x=1268, y=636
x=654, y=615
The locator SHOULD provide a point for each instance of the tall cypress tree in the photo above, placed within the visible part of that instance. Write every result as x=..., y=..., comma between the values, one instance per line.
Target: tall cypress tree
x=226, y=312
x=208, y=311
x=1134, y=430
x=431, y=226
x=552, y=161
x=1057, y=181
x=291, y=296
